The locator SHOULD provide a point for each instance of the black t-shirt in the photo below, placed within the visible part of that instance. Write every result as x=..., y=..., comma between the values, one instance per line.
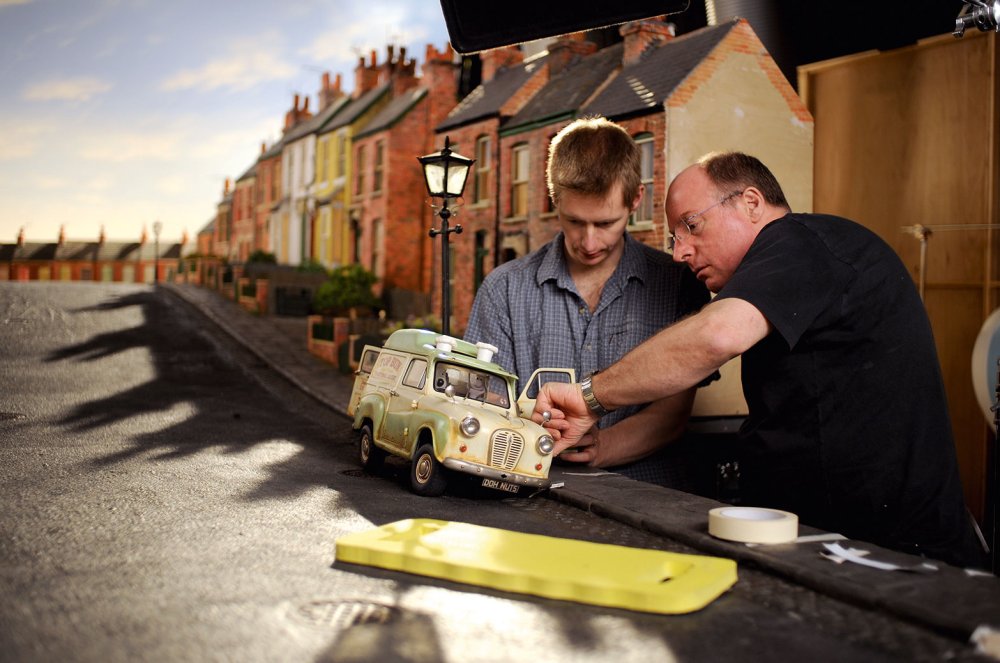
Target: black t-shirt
x=848, y=423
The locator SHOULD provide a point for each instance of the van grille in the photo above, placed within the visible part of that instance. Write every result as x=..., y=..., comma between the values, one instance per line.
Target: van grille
x=505, y=448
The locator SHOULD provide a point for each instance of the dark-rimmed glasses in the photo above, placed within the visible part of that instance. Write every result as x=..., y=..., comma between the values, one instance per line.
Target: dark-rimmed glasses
x=674, y=237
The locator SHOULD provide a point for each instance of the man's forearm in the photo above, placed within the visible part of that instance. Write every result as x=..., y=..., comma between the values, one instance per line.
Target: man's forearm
x=680, y=356
x=645, y=432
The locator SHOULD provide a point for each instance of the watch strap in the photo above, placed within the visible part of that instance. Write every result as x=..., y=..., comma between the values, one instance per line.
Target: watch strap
x=590, y=399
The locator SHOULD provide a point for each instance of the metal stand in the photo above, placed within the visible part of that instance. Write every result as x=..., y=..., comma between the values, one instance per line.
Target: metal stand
x=445, y=214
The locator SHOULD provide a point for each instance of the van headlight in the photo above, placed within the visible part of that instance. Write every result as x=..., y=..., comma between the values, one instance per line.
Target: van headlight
x=545, y=445
x=469, y=426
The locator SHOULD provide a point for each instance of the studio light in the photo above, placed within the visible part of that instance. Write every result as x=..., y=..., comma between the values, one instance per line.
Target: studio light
x=982, y=14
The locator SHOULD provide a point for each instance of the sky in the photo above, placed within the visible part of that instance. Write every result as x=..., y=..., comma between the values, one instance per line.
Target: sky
x=120, y=113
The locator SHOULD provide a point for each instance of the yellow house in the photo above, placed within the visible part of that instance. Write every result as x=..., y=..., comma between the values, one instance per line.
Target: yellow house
x=334, y=189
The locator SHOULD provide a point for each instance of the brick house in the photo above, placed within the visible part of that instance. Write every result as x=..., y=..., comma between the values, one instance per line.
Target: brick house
x=473, y=127
x=268, y=194
x=680, y=97
x=392, y=202
x=223, y=229
x=244, y=214
x=294, y=239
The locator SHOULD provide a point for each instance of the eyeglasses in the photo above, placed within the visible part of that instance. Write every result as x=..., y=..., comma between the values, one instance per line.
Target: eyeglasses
x=674, y=237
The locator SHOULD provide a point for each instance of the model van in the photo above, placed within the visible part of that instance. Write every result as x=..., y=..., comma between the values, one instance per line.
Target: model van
x=443, y=404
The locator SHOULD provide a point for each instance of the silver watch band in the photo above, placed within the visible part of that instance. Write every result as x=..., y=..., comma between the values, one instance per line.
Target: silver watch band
x=590, y=399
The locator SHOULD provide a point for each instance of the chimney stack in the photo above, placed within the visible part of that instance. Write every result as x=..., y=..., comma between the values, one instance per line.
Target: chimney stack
x=100, y=238
x=62, y=235
x=143, y=237
x=366, y=77
x=567, y=50
x=500, y=58
x=329, y=93
x=440, y=77
x=20, y=237
x=639, y=36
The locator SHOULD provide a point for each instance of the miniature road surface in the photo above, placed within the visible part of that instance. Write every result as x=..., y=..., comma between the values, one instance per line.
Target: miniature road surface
x=168, y=497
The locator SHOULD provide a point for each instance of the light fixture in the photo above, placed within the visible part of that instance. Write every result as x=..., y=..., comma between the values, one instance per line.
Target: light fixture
x=982, y=14
x=445, y=173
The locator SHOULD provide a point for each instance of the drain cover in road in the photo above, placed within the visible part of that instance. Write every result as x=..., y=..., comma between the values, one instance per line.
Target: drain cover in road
x=567, y=569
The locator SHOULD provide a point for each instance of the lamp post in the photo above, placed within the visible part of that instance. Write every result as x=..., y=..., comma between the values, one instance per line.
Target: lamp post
x=445, y=173
x=157, y=227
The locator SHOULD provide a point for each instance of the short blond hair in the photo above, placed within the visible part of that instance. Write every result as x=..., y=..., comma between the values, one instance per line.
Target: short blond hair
x=589, y=155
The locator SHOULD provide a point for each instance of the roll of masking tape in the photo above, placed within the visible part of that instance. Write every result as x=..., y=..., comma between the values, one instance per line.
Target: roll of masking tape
x=748, y=524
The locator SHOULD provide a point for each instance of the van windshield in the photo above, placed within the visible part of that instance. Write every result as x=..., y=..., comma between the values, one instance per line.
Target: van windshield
x=471, y=384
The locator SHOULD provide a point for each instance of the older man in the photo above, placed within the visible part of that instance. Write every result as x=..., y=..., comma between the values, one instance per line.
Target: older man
x=848, y=423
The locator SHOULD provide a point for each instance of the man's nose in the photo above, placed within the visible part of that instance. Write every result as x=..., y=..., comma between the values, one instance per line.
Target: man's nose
x=682, y=252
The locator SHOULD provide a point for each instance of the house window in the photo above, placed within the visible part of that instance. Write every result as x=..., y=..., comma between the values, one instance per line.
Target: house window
x=341, y=155
x=643, y=216
x=321, y=161
x=519, y=181
x=359, y=172
x=480, y=190
x=377, y=176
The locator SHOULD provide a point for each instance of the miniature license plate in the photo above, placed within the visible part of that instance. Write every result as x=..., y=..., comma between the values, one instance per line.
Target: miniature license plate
x=500, y=485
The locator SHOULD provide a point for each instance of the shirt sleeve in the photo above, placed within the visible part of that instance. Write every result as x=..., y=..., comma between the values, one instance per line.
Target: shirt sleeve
x=489, y=321
x=790, y=276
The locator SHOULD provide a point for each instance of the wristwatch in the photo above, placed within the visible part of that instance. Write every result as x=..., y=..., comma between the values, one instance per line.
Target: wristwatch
x=588, y=397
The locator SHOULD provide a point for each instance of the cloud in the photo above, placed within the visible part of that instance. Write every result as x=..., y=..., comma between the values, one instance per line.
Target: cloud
x=67, y=89
x=8, y=3
x=21, y=139
x=117, y=147
x=349, y=39
x=248, y=63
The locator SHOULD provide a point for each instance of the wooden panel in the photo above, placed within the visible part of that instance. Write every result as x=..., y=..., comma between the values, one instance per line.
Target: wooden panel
x=906, y=138
x=957, y=318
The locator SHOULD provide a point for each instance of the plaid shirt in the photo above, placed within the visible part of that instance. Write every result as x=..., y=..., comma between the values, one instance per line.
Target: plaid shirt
x=530, y=309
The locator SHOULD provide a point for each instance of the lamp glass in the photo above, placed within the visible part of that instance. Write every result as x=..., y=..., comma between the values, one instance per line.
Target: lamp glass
x=457, y=174
x=434, y=174
x=435, y=165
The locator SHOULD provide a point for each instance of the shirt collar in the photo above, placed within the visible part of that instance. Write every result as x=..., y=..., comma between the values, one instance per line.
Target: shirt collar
x=553, y=266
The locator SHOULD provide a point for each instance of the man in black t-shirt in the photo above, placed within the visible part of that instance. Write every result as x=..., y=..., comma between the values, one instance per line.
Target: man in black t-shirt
x=848, y=424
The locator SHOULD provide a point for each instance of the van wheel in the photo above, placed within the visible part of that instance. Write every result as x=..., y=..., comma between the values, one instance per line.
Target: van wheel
x=427, y=476
x=371, y=457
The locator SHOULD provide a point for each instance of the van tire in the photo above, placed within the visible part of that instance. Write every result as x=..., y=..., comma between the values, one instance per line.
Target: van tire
x=372, y=458
x=427, y=475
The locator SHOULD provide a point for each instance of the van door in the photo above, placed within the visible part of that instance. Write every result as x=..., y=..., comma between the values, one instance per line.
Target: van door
x=526, y=401
x=368, y=357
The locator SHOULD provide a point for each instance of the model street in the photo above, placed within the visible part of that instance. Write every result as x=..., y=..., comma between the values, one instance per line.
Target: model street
x=168, y=497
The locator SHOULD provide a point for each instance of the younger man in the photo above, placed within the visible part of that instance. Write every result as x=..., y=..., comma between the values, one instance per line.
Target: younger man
x=592, y=294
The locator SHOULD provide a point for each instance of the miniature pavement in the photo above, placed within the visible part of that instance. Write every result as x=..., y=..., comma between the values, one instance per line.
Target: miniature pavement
x=952, y=601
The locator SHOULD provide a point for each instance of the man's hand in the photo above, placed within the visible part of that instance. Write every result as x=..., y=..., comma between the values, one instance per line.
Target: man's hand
x=570, y=418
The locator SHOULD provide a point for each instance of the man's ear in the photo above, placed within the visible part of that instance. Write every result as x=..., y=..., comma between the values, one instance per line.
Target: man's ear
x=753, y=199
x=638, y=197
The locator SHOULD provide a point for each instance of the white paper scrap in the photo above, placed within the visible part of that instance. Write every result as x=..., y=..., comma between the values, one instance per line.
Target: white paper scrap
x=842, y=554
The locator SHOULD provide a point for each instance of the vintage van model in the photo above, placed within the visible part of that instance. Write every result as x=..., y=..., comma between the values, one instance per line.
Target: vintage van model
x=443, y=404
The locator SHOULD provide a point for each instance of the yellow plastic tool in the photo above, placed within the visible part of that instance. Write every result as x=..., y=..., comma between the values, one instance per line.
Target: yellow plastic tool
x=567, y=569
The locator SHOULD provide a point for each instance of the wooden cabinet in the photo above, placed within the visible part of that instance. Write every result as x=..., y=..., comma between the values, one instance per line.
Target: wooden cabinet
x=909, y=138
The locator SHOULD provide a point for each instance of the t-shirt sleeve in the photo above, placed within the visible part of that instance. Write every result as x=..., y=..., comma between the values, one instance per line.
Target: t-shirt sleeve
x=693, y=294
x=790, y=276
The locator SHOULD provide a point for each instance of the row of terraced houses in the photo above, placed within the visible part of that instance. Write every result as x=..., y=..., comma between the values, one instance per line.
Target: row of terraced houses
x=343, y=184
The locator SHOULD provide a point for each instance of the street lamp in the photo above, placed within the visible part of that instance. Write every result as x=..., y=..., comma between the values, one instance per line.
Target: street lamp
x=445, y=173
x=157, y=227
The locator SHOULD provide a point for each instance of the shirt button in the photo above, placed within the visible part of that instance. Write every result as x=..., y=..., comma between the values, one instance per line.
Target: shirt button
x=582, y=310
